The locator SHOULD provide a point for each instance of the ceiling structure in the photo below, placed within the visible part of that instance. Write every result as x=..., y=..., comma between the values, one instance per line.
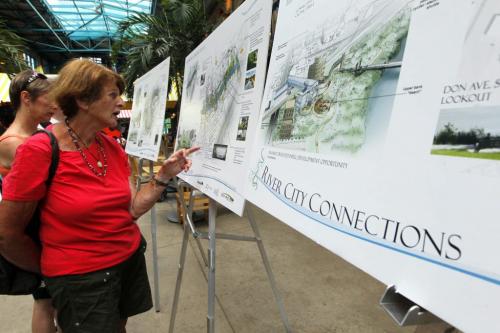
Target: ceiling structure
x=63, y=29
x=84, y=20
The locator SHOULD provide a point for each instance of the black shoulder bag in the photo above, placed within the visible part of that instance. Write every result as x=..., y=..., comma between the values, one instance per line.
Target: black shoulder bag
x=14, y=280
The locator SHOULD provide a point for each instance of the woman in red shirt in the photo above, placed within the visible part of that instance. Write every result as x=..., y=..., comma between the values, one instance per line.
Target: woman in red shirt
x=92, y=256
x=28, y=94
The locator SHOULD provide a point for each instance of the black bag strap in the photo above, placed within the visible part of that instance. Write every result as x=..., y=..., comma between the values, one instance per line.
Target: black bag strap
x=55, y=155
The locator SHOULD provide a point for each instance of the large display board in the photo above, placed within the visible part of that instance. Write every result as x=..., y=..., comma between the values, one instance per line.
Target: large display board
x=148, y=112
x=221, y=96
x=379, y=139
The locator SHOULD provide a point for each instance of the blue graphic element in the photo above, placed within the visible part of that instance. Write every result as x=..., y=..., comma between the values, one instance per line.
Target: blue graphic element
x=316, y=218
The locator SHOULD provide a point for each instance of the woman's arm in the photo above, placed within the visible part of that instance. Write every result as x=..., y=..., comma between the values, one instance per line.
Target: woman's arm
x=8, y=149
x=149, y=193
x=15, y=245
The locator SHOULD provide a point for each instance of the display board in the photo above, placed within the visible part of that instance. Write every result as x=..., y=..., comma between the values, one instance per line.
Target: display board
x=221, y=96
x=379, y=139
x=148, y=112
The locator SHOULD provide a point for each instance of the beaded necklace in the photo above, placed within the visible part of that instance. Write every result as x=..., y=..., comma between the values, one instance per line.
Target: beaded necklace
x=103, y=166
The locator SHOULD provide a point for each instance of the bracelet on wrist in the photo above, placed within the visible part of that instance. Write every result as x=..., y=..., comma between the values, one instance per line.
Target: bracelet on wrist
x=159, y=182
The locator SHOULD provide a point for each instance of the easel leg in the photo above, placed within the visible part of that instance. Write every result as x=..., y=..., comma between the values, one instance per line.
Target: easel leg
x=212, y=213
x=156, y=274
x=269, y=271
x=191, y=225
x=211, y=235
x=139, y=175
x=188, y=228
x=202, y=251
x=180, y=271
x=188, y=219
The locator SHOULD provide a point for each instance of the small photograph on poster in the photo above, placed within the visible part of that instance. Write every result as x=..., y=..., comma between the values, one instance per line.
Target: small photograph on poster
x=219, y=152
x=250, y=80
x=252, y=60
x=242, y=129
x=468, y=132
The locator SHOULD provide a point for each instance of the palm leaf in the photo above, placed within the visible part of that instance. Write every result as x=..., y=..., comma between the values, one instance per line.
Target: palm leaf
x=146, y=40
x=11, y=48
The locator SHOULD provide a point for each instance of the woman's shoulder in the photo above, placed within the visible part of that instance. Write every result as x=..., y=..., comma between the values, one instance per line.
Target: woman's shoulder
x=8, y=148
x=38, y=141
x=10, y=136
x=11, y=142
x=6, y=137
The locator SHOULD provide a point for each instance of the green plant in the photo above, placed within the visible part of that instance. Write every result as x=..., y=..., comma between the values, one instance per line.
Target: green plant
x=449, y=135
x=11, y=48
x=146, y=40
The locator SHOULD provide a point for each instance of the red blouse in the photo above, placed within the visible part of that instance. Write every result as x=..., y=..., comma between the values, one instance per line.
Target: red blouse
x=86, y=221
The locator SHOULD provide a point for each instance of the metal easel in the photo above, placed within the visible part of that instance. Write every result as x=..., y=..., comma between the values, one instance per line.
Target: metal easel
x=405, y=312
x=142, y=180
x=212, y=236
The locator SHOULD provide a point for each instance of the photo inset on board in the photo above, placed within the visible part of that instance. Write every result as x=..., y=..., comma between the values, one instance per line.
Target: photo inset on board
x=219, y=152
x=252, y=60
x=250, y=80
x=242, y=129
x=468, y=132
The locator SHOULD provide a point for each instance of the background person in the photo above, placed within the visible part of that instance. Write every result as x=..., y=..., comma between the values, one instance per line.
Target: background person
x=28, y=94
x=114, y=133
x=6, y=116
x=92, y=250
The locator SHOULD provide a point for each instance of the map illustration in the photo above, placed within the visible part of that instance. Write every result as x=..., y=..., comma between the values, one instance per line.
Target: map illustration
x=148, y=112
x=322, y=94
x=213, y=93
x=221, y=92
x=221, y=97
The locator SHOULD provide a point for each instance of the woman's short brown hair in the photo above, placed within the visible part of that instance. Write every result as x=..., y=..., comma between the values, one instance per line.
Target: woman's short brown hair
x=28, y=80
x=83, y=80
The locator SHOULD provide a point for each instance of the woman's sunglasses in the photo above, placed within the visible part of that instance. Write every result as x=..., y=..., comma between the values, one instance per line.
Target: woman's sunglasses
x=32, y=78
